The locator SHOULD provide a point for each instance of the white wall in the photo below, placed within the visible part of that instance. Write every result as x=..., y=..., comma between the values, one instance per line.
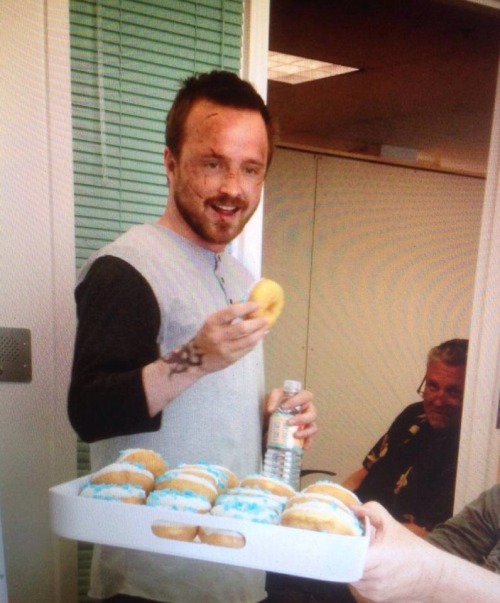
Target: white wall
x=37, y=447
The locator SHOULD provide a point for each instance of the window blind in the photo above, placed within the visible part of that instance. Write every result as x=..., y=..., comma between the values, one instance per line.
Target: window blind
x=128, y=58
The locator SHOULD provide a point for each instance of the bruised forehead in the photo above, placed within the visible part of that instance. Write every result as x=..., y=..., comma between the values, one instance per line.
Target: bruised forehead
x=218, y=127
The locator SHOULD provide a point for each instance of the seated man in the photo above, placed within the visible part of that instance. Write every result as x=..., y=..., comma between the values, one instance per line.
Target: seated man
x=411, y=470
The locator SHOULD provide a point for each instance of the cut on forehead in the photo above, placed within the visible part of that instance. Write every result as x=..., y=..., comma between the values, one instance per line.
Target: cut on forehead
x=215, y=131
x=222, y=88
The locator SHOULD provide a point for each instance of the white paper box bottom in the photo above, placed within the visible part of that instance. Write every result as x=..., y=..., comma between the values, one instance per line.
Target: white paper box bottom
x=279, y=549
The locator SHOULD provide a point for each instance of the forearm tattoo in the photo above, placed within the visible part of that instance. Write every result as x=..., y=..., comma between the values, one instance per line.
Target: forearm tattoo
x=181, y=359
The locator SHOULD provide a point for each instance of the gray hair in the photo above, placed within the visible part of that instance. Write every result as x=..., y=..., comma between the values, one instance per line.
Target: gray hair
x=452, y=352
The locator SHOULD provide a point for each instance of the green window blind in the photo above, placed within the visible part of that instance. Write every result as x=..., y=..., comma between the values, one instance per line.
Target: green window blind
x=128, y=59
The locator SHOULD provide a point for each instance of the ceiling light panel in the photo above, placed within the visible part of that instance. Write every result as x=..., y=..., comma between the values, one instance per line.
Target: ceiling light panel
x=297, y=70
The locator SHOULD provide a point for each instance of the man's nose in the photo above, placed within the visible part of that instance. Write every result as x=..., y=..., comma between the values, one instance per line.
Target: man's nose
x=440, y=398
x=231, y=183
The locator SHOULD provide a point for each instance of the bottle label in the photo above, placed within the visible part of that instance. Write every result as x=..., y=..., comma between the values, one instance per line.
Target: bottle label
x=281, y=435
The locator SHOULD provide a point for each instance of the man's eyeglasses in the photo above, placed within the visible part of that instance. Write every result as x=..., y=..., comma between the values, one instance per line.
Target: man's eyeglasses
x=452, y=394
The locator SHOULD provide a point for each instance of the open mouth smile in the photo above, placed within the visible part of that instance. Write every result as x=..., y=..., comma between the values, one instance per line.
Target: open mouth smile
x=225, y=209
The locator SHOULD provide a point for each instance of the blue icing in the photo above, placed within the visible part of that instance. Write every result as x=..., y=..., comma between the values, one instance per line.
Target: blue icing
x=250, y=510
x=185, y=497
x=103, y=492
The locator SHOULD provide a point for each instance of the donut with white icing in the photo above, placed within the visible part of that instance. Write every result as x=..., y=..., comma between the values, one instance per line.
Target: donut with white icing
x=236, y=508
x=334, y=489
x=124, y=473
x=174, y=500
x=322, y=516
x=222, y=477
x=189, y=480
x=149, y=459
x=126, y=493
x=273, y=485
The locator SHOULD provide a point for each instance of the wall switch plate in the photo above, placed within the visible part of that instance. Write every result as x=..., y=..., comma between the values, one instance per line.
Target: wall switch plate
x=15, y=354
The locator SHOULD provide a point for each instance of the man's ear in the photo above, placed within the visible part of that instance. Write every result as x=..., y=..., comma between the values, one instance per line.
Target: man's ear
x=169, y=161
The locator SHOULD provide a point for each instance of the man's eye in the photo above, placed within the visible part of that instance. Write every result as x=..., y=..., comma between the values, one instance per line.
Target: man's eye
x=211, y=164
x=253, y=170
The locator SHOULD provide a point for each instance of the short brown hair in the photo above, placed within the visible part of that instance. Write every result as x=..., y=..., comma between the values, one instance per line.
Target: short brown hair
x=221, y=87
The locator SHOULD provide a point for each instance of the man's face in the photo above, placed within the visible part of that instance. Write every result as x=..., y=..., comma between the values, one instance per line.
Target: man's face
x=216, y=182
x=443, y=394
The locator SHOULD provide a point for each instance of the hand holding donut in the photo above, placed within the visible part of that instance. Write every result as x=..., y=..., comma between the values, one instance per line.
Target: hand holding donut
x=224, y=338
x=269, y=294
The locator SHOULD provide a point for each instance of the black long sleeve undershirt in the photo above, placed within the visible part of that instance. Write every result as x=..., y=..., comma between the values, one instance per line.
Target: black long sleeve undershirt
x=118, y=324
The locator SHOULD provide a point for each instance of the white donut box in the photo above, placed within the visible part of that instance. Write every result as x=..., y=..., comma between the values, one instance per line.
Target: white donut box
x=273, y=548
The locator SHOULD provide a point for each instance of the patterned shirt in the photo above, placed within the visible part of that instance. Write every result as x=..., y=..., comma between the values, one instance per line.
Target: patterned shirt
x=412, y=469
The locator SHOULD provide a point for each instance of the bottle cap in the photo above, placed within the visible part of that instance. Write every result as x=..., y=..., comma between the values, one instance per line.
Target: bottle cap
x=292, y=386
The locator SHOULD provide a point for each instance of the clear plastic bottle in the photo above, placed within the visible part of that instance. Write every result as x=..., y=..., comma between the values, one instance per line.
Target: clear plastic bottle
x=283, y=458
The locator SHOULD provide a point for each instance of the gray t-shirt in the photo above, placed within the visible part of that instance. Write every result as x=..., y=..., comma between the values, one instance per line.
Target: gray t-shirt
x=474, y=533
x=218, y=419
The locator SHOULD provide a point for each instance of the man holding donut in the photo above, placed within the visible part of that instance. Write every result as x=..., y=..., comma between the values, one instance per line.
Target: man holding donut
x=166, y=357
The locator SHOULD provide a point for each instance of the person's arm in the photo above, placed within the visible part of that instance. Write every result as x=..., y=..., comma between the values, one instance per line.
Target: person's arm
x=402, y=568
x=224, y=338
x=473, y=532
x=120, y=384
x=355, y=479
x=118, y=324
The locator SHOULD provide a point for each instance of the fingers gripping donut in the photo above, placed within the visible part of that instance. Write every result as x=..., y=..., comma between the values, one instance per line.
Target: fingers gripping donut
x=269, y=294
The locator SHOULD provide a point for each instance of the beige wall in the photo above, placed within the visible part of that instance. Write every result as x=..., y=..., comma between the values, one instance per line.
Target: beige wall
x=37, y=448
x=378, y=265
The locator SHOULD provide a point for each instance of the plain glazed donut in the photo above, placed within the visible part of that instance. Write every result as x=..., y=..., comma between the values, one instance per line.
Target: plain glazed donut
x=271, y=297
x=226, y=538
x=174, y=531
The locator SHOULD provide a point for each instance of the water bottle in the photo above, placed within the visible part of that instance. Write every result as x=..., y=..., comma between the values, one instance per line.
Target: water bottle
x=283, y=458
